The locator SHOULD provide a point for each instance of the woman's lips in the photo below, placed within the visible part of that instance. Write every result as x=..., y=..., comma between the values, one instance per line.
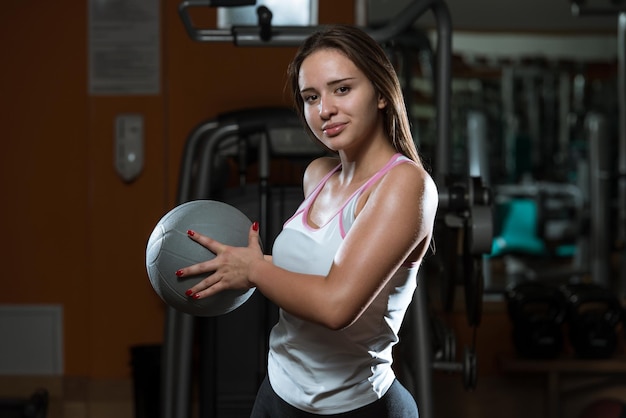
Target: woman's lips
x=333, y=129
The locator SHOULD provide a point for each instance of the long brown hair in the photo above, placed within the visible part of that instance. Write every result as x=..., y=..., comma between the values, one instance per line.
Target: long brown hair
x=371, y=59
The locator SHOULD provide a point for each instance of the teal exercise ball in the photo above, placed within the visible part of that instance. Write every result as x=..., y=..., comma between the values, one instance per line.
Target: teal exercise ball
x=169, y=249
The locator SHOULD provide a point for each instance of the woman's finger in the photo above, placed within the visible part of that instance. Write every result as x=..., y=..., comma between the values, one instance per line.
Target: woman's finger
x=253, y=236
x=201, y=286
x=212, y=245
x=205, y=288
x=205, y=267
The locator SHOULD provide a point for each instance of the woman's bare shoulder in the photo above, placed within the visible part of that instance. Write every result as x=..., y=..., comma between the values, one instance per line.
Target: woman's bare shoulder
x=405, y=181
x=411, y=173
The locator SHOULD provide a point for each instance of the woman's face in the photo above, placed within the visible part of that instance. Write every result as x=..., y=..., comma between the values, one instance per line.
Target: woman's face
x=341, y=106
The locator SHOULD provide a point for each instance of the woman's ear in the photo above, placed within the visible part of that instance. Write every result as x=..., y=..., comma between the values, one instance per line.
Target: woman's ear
x=382, y=102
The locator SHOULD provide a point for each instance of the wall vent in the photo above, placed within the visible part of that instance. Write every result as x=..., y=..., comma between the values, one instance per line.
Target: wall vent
x=31, y=340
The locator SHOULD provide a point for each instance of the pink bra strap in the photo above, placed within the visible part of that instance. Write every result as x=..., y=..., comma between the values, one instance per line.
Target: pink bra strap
x=394, y=161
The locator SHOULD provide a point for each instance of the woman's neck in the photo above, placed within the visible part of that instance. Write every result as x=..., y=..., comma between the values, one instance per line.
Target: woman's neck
x=361, y=166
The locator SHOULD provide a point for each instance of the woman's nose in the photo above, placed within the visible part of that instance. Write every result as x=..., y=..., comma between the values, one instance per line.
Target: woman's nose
x=327, y=108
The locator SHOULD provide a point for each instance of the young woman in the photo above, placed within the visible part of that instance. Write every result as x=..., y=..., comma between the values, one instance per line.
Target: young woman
x=344, y=268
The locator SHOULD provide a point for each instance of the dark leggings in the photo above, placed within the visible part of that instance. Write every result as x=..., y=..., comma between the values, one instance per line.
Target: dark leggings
x=396, y=403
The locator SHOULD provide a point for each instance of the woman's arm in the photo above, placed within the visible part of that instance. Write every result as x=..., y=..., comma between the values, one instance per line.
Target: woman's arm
x=394, y=224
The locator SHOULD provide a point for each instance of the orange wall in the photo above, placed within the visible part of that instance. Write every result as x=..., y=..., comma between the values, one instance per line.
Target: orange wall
x=73, y=233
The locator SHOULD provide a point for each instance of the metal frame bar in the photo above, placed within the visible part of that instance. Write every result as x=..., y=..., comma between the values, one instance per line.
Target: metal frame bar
x=579, y=9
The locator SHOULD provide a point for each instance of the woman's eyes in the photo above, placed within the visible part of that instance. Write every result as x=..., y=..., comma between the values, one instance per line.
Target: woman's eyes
x=313, y=97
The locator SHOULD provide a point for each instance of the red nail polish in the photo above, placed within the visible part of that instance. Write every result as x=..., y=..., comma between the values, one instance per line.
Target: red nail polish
x=196, y=296
x=179, y=273
x=255, y=226
x=189, y=292
x=190, y=233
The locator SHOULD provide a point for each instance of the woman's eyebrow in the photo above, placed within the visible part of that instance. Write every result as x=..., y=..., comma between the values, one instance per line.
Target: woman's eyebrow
x=328, y=84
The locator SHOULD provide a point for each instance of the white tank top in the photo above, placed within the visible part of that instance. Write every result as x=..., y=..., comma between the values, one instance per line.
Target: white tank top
x=317, y=369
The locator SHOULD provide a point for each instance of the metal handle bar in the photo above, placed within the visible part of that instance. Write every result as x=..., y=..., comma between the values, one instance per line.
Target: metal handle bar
x=292, y=35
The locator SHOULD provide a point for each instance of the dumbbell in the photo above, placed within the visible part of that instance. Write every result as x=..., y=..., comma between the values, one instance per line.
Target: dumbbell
x=593, y=312
x=537, y=312
x=468, y=368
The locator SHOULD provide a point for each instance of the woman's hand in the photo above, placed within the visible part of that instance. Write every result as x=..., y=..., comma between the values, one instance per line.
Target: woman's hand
x=230, y=269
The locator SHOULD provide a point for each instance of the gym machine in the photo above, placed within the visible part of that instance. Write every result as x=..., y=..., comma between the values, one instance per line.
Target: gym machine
x=464, y=200
x=572, y=170
x=250, y=137
x=592, y=210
